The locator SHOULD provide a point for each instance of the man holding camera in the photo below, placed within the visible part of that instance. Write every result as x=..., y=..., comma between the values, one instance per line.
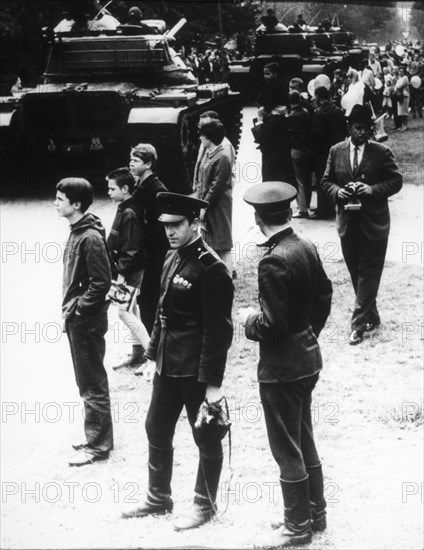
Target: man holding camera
x=359, y=177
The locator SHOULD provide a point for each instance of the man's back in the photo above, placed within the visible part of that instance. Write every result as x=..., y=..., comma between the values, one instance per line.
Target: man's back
x=295, y=296
x=328, y=128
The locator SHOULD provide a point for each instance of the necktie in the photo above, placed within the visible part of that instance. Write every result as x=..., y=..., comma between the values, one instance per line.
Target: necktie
x=355, y=160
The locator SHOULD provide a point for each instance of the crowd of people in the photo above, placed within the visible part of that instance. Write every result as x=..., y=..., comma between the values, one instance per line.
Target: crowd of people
x=167, y=266
x=173, y=291
x=295, y=128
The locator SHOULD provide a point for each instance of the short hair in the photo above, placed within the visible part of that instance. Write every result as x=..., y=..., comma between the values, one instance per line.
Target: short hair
x=122, y=176
x=296, y=82
x=275, y=218
x=146, y=152
x=294, y=97
x=210, y=114
x=213, y=130
x=322, y=94
x=77, y=190
x=273, y=67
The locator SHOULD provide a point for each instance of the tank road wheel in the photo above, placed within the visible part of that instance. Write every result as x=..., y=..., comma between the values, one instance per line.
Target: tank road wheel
x=230, y=113
x=189, y=138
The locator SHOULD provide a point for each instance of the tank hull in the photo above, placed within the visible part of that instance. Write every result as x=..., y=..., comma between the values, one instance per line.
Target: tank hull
x=104, y=91
x=89, y=132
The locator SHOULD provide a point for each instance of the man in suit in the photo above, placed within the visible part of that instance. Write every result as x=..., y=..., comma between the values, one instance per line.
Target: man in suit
x=295, y=299
x=187, y=355
x=359, y=178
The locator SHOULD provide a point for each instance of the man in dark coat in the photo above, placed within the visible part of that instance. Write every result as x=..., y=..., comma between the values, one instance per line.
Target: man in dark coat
x=366, y=170
x=270, y=130
x=187, y=355
x=295, y=299
x=299, y=124
x=142, y=165
x=328, y=128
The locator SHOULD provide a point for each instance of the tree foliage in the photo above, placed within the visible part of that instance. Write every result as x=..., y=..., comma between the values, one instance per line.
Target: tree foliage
x=21, y=22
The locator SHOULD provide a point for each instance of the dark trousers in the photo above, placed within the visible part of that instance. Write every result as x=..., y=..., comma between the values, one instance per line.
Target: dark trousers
x=86, y=339
x=287, y=411
x=396, y=118
x=169, y=396
x=278, y=168
x=415, y=102
x=365, y=261
x=325, y=205
x=149, y=297
x=300, y=161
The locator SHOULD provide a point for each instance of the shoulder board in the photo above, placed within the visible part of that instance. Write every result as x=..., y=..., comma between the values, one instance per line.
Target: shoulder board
x=208, y=256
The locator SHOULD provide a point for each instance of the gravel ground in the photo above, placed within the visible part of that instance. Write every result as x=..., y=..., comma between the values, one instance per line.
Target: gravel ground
x=367, y=406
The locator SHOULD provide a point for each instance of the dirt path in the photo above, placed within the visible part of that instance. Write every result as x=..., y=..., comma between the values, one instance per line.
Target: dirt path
x=367, y=407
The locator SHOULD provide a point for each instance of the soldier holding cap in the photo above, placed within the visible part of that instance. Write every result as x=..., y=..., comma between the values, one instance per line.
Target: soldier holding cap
x=295, y=299
x=366, y=170
x=186, y=355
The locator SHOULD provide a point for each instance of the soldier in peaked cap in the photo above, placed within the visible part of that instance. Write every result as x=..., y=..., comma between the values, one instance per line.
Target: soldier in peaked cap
x=295, y=300
x=186, y=355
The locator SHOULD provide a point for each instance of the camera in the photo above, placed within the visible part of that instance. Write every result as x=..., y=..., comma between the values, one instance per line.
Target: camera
x=354, y=203
x=122, y=295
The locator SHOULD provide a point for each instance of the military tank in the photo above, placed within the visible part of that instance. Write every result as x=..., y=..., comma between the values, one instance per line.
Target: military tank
x=297, y=54
x=105, y=90
x=347, y=42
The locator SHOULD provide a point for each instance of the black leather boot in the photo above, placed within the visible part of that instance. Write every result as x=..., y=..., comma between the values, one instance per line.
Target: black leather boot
x=158, y=500
x=316, y=498
x=296, y=530
x=203, y=508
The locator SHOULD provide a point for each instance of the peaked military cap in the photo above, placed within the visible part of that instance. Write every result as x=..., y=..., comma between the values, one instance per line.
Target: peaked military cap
x=360, y=113
x=174, y=207
x=270, y=196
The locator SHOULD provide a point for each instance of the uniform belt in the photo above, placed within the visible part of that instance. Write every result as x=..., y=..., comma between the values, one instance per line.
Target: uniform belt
x=179, y=322
x=299, y=333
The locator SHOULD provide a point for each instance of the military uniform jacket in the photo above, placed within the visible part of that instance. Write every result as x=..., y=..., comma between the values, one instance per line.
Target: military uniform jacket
x=193, y=328
x=295, y=299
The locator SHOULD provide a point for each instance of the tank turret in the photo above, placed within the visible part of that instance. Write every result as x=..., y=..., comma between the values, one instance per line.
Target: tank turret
x=303, y=54
x=107, y=89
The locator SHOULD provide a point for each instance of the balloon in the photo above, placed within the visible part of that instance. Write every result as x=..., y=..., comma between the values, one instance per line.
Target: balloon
x=400, y=50
x=322, y=80
x=415, y=82
x=378, y=84
x=353, y=96
x=311, y=87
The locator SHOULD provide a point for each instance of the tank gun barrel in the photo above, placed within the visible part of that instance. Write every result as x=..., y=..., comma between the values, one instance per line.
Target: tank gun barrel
x=176, y=28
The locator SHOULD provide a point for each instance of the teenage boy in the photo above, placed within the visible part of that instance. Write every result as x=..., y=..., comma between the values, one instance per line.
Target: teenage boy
x=143, y=159
x=126, y=248
x=86, y=282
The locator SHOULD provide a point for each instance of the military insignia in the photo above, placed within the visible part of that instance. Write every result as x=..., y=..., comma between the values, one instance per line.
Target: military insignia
x=181, y=282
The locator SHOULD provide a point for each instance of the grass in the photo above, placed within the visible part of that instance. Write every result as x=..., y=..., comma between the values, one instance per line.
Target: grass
x=408, y=148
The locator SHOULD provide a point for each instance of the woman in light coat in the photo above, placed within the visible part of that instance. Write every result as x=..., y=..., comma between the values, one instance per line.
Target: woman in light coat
x=402, y=94
x=213, y=183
